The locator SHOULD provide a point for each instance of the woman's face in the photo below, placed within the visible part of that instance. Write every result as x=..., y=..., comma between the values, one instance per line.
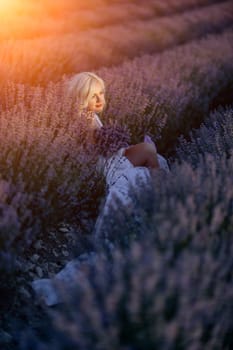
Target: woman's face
x=97, y=101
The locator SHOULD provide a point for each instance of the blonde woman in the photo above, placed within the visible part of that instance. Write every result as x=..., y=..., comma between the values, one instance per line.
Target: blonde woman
x=90, y=91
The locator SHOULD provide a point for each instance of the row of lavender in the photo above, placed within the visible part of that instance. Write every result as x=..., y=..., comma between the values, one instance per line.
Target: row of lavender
x=168, y=94
x=38, y=19
x=51, y=57
x=41, y=187
x=167, y=283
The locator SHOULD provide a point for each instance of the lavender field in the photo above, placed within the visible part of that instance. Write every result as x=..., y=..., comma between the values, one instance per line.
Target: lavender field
x=157, y=274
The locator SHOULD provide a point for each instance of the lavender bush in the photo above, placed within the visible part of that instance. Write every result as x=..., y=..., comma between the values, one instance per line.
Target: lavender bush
x=43, y=151
x=9, y=226
x=51, y=57
x=48, y=177
x=215, y=136
x=146, y=299
x=17, y=226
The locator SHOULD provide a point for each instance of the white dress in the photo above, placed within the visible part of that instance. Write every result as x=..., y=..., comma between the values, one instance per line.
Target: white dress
x=119, y=173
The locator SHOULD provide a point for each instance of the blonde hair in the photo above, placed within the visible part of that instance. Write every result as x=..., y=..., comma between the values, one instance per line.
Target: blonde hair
x=80, y=86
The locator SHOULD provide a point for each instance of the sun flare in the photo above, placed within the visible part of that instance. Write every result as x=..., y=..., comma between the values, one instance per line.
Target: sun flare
x=8, y=6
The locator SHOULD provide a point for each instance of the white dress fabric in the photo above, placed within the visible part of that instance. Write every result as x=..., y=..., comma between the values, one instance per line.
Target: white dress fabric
x=119, y=174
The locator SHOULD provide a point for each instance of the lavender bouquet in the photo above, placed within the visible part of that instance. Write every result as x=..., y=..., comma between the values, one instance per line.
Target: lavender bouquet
x=109, y=139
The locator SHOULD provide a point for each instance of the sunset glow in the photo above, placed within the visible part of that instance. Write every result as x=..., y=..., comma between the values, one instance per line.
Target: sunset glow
x=7, y=5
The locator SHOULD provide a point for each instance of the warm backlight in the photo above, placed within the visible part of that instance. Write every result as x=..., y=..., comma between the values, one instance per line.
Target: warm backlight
x=6, y=5
x=9, y=9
